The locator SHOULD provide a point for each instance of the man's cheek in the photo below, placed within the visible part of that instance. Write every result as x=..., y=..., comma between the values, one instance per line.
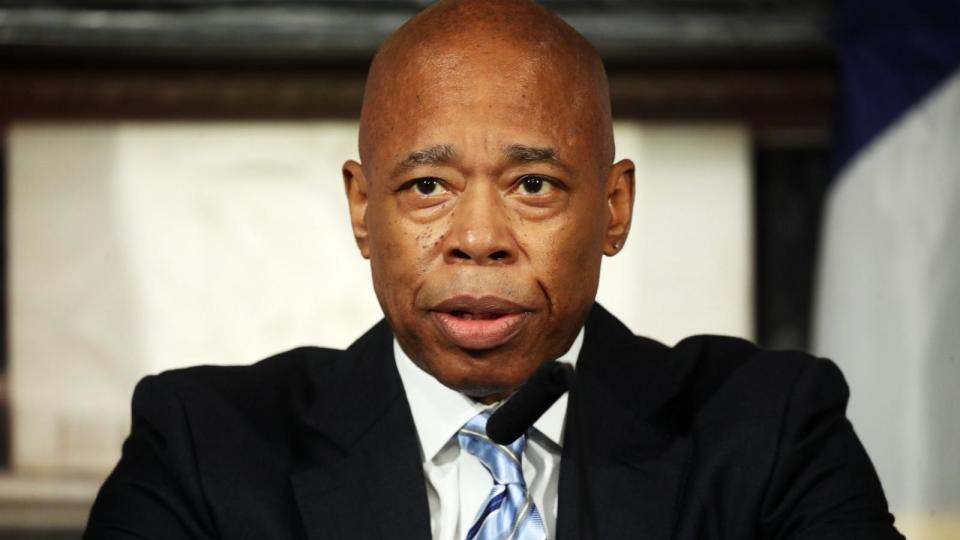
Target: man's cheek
x=565, y=243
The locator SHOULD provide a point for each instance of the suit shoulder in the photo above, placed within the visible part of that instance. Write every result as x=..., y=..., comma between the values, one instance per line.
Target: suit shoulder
x=719, y=356
x=721, y=368
x=278, y=384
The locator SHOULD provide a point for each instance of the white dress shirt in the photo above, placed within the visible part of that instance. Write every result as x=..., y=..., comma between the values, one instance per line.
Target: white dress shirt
x=457, y=483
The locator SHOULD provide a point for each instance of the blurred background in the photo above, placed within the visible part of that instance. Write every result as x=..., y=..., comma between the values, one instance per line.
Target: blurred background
x=172, y=196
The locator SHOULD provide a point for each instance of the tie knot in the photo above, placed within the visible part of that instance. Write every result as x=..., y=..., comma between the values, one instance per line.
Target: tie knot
x=503, y=462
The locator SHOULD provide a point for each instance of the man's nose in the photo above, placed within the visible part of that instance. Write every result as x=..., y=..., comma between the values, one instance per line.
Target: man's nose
x=480, y=230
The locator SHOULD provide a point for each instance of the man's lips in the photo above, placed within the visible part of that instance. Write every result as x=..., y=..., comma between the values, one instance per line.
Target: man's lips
x=479, y=323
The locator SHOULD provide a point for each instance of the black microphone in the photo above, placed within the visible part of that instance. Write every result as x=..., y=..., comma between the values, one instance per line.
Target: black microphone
x=527, y=404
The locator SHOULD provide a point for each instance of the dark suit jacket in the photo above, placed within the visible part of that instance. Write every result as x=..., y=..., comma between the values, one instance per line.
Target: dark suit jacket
x=713, y=438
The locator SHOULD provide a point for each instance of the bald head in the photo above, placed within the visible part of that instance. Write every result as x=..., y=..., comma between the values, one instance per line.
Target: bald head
x=510, y=55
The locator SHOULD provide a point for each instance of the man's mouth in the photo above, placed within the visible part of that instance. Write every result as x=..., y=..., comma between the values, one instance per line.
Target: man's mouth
x=476, y=316
x=479, y=323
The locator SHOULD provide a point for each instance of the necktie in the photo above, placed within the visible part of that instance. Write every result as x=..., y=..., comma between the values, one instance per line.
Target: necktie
x=509, y=512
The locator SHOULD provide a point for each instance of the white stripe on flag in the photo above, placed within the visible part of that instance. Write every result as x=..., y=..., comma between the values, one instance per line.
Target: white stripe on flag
x=888, y=303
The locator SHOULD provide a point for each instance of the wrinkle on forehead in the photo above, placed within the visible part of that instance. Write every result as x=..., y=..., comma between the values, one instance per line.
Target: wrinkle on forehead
x=461, y=53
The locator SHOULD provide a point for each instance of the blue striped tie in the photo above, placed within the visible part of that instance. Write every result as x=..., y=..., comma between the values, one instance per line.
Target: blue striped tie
x=509, y=512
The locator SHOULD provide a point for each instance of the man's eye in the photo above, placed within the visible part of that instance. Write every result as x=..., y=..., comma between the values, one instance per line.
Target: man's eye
x=535, y=185
x=428, y=186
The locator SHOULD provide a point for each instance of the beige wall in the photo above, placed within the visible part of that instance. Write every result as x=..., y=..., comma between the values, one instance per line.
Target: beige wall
x=139, y=247
x=687, y=267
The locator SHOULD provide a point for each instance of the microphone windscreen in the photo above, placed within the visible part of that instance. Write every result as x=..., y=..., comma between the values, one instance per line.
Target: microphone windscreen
x=527, y=404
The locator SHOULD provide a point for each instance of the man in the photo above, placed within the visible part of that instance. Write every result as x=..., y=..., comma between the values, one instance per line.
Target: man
x=485, y=200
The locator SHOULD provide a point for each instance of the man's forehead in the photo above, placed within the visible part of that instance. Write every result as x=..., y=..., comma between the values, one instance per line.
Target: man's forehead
x=508, y=90
x=479, y=138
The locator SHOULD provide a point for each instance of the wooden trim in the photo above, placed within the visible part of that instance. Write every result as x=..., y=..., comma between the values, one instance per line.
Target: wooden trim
x=757, y=97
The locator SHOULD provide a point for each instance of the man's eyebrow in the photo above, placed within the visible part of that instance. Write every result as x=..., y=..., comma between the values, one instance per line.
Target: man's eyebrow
x=521, y=153
x=432, y=155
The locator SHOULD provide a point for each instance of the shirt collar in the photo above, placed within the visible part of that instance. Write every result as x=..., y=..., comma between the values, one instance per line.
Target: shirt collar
x=439, y=412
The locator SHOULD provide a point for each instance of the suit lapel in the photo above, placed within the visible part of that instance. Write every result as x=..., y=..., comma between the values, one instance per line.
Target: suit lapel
x=359, y=474
x=625, y=456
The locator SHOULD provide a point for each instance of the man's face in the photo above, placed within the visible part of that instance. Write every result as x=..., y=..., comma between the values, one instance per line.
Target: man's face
x=485, y=209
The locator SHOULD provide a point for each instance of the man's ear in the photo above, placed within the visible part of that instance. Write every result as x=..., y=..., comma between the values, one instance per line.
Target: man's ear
x=620, y=193
x=355, y=184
